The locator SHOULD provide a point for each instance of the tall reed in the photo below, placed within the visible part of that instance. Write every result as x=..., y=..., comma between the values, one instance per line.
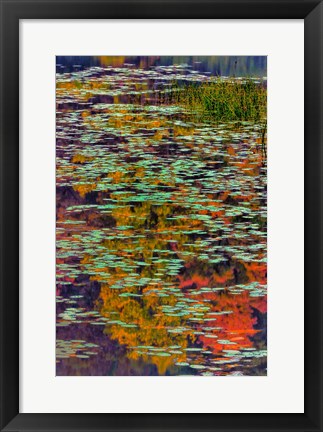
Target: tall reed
x=223, y=100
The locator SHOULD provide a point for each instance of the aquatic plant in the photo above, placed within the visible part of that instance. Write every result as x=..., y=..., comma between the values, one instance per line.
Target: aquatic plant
x=223, y=100
x=161, y=226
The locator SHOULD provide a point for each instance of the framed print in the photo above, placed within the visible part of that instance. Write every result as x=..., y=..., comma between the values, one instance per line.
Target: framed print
x=160, y=214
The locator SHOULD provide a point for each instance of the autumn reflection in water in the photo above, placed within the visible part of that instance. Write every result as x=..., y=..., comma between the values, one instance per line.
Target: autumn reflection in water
x=161, y=224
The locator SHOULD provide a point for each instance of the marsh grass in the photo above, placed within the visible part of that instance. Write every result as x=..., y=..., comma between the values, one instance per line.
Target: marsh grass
x=229, y=100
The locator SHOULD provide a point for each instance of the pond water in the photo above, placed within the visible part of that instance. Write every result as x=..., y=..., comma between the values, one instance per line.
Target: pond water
x=161, y=228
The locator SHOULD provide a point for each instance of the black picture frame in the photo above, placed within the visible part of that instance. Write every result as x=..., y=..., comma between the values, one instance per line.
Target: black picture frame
x=14, y=10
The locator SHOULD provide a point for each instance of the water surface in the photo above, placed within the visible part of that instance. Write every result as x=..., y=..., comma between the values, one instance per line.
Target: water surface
x=161, y=226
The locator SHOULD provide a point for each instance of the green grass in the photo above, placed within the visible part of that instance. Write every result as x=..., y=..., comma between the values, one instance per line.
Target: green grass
x=228, y=100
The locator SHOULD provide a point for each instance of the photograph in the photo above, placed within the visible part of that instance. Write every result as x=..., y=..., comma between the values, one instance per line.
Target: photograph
x=161, y=215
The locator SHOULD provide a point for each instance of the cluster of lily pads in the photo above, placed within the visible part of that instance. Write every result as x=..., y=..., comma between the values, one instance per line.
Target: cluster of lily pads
x=152, y=194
